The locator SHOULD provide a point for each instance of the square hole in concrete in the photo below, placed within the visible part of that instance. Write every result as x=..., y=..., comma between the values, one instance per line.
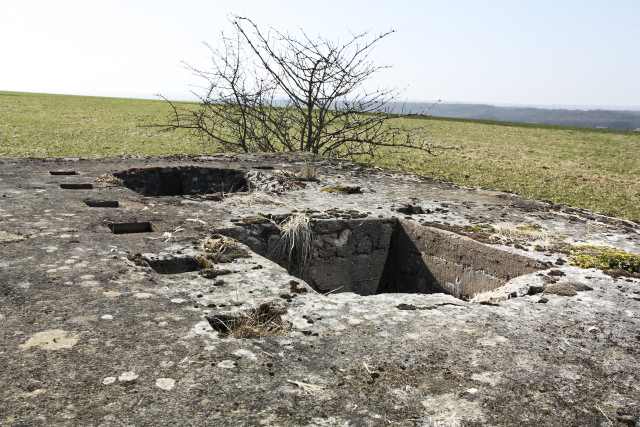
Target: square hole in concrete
x=63, y=173
x=376, y=256
x=177, y=265
x=74, y=186
x=102, y=203
x=131, y=227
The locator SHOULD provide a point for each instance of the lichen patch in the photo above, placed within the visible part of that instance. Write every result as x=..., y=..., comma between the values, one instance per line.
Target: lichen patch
x=53, y=339
x=128, y=376
x=143, y=295
x=111, y=294
x=108, y=380
x=227, y=364
x=166, y=383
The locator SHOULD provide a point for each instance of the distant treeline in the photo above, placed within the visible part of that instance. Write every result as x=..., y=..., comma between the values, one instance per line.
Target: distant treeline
x=612, y=119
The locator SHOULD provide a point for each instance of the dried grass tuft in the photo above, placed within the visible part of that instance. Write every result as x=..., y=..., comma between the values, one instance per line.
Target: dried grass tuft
x=250, y=199
x=528, y=235
x=295, y=246
x=309, y=172
x=264, y=320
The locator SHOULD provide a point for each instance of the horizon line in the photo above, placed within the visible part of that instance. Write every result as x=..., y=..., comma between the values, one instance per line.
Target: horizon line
x=181, y=98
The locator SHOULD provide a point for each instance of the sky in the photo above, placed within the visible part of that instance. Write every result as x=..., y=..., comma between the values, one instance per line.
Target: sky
x=503, y=52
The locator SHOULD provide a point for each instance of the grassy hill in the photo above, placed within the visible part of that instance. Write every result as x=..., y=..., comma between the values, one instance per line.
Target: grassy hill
x=612, y=119
x=595, y=169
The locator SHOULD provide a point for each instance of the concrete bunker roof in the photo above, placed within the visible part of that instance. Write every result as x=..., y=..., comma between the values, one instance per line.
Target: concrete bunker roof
x=92, y=334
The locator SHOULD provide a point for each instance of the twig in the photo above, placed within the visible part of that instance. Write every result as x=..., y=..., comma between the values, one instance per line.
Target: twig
x=196, y=220
x=309, y=388
x=600, y=409
x=332, y=291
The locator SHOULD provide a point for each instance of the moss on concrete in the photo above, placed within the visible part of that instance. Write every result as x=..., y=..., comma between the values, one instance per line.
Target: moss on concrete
x=604, y=258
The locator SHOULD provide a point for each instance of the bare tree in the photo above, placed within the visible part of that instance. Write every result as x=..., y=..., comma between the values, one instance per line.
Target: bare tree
x=275, y=92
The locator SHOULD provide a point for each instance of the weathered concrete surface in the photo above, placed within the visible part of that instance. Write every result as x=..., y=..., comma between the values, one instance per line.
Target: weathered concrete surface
x=91, y=335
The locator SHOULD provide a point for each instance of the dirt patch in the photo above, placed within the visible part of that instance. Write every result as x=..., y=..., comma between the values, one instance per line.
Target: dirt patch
x=567, y=289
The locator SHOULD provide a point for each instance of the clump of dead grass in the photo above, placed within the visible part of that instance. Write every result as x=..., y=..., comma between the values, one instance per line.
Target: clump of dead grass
x=110, y=180
x=222, y=249
x=262, y=321
x=309, y=172
x=533, y=235
x=295, y=245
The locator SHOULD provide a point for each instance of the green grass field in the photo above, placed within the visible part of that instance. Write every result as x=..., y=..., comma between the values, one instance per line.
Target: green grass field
x=590, y=168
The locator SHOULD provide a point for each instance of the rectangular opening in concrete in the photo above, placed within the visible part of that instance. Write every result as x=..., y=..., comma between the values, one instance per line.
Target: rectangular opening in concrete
x=177, y=265
x=102, y=203
x=63, y=173
x=425, y=260
x=183, y=180
x=73, y=186
x=131, y=227
x=375, y=256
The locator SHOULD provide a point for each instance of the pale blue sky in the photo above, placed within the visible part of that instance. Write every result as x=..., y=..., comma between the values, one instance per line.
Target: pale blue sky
x=546, y=52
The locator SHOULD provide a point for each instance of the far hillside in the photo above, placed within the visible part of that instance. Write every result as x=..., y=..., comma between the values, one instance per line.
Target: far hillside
x=611, y=119
x=597, y=169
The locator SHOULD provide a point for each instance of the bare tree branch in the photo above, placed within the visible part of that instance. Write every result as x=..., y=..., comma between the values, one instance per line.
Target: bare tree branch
x=275, y=92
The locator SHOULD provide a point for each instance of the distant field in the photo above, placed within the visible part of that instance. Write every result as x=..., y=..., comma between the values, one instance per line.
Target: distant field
x=595, y=169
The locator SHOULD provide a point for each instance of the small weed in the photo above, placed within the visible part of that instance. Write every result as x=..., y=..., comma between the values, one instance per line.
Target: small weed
x=531, y=228
x=341, y=189
x=212, y=273
x=479, y=228
x=203, y=263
